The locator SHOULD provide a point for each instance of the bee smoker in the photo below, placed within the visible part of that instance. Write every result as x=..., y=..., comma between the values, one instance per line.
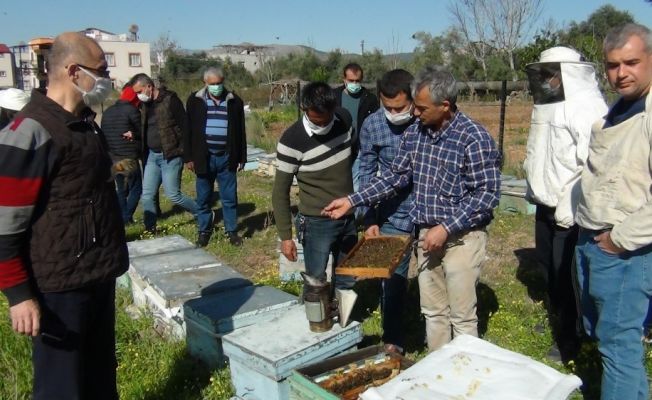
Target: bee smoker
x=319, y=304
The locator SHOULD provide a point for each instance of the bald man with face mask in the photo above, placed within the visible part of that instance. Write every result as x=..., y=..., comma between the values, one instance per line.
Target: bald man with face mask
x=62, y=243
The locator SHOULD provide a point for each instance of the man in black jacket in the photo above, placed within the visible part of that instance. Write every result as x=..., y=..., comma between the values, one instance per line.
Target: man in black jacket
x=164, y=129
x=62, y=243
x=121, y=124
x=215, y=149
x=360, y=103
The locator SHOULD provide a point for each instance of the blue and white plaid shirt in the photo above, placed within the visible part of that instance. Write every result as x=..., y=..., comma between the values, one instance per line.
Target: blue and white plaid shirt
x=379, y=144
x=455, y=173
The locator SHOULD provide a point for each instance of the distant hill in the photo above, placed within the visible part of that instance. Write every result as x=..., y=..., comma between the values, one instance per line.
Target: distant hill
x=282, y=50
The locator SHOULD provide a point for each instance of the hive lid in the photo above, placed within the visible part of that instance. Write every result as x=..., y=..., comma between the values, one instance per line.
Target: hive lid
x=174, y=261
x=276, y=347
x=223, y=312
x=178, y=286
x=166, y=244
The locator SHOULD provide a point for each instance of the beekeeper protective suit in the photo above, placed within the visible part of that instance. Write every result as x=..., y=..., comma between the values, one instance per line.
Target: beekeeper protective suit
x=567, y=101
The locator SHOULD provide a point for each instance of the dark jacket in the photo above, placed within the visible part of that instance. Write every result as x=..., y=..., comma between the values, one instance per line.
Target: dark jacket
x=74, y=237
x=116, y=120
x=171, y=121
x=195, y=141
x=368, y=105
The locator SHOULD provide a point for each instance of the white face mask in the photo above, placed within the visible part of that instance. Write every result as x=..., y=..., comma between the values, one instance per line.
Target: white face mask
x=143, y=97
x=399, y=118
x=316, y=129
x=98, y=93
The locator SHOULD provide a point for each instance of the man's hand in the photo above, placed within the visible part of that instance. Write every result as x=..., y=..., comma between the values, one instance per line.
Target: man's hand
x=128, y=136
x=337, y=208
x=190, y=165
x=435, y=238
x=289, y=249
x=241, y=166
x=604, y=242
x=372, y=231
x=26, y=317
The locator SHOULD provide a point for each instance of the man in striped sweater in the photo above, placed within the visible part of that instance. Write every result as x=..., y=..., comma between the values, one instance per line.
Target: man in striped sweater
x=317, y=151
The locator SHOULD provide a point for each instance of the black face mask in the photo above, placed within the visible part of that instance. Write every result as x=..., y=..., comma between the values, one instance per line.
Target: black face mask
x=6, y=116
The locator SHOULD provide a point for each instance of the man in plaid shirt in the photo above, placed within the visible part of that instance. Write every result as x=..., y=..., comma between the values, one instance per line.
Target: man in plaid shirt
x=453, y=165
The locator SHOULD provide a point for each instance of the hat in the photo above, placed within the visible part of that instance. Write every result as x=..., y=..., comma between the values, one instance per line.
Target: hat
x=561, y=54
x=13, y=99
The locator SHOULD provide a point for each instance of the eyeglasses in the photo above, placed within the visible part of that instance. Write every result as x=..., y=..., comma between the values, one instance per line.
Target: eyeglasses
x=101, y=73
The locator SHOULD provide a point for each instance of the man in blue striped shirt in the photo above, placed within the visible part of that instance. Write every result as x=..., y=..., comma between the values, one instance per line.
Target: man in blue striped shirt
x=215, y=149
x=453, y=165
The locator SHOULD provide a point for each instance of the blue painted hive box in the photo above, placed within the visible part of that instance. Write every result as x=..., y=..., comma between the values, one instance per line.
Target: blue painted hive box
x=208, y=318
x=262, y=356
x=512, y=196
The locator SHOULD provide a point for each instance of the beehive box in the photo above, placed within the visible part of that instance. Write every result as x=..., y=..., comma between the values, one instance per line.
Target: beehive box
x=163, y=282
x=291, y=270
x=208, y=318
x=165, y=244
x=512, y=197
x=148, y=247
x=304, y=382
x=262, y=356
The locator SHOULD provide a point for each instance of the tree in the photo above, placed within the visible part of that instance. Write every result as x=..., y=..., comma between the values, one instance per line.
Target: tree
x=471, y=21
x=373, y=65
x=587, y=36
x=510, y=21
x=428, y=52
x=163, y=47
x=544, y=39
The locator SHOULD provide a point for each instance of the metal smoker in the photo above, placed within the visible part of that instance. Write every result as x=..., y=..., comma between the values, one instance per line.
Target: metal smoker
x=318, y=301
x=323, y=303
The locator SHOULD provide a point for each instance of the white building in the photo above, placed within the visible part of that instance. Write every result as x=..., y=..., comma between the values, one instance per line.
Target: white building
x=7, y=79
x=30, y=66
x=125, y=55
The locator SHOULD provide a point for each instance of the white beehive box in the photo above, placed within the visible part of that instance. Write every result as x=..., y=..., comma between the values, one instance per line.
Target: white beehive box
x=262, y=356
x=291, y=270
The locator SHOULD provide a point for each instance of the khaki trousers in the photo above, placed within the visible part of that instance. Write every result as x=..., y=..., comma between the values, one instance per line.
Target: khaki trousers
x=447, y=282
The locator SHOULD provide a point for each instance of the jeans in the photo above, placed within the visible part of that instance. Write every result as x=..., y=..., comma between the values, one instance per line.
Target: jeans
x=159, y=170
x=129, y=188
x=323, y=236
x=394, y=291
x=555, y=247
x=447, y=282
x=74, y=357
x=218, y=169
x=615, y=294
x=355, y=173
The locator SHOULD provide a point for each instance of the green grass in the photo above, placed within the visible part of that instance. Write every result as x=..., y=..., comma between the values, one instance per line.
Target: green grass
x=511, y=311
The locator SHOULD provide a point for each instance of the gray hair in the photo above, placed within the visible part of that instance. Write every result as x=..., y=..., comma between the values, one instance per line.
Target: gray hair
x=213, y=71
x=618, y=36
x=440, y=81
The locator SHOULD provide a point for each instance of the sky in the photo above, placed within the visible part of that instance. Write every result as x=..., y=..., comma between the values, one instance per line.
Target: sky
x=324, y=25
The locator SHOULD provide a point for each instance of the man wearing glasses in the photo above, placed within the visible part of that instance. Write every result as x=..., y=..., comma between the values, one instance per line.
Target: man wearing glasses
x=62, y=242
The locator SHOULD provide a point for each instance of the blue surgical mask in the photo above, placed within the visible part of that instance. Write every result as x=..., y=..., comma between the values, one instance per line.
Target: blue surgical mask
x=216, y=90
x=353, y=87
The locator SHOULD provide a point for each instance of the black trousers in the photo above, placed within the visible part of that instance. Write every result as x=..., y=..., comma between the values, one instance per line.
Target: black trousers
x=74, y=357
x=555, y=248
